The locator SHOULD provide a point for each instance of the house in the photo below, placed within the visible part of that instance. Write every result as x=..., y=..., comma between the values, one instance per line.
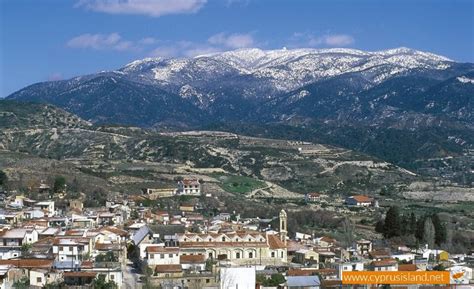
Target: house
x=313, y=197
x=306, y=256
x=48, y=207
x=186, y=207
x=71, y=248
x=159, y=255
x=341, y=267
x=363, y=247
x=79, y=278
x=384, y=265
x=303, y=282
x=378, y=255
x=34, y=214
x=193, y=262
x=76, y=205
x=325, y=242
x=190, y=187
x=302, y=236
x=359, y=201
x=168, y=271
x=154, y=194
x=12, y=240
x=41, y=277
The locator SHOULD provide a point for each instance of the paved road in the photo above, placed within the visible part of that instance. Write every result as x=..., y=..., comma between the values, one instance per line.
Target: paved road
x=130, y=279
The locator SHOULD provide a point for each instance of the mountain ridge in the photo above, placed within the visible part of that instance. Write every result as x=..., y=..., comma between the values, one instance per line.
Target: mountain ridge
x=342, y=89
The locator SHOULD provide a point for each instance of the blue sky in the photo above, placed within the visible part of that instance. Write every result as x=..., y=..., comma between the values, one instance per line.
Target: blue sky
x=58, y=39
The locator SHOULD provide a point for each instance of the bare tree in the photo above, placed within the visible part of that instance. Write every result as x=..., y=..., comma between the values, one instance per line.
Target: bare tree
x=347, y=232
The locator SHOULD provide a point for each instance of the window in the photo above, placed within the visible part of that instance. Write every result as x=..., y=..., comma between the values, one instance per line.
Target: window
x=208, y=280
x=162, y=256
x=61, y=248
x=171, y=255
x=273, y=254
x=250, y=255
x=281, y=255
x=112, y=277
x=237, y=255
x=39, y=279
x=223, y=239
x=151, y=256
x=210, y=255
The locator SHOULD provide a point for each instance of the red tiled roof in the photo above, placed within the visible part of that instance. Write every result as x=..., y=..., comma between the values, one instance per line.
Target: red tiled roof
x=384, y=263
x=116, y=231
x=308, y=272
x=188, y=182
x=28, y=263
x=161, y=249
x=328, y=239
x=362, y=199
x=192, y=259
x=80, y=274
x=107, y=247
x=379, y=254
x=274, y=242
x=168, y=268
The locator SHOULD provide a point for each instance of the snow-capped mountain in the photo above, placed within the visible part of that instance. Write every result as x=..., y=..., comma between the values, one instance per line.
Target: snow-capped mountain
x=282, y=70
x=268, y=85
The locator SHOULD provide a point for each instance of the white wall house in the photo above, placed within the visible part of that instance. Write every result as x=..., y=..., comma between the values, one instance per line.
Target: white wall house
x=158, y=255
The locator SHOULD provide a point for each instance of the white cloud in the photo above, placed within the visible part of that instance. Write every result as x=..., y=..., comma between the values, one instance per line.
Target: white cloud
x=163, y=48
x=338, y=40
x=182, y=49
x=232, y=41
x=111, y=41
x=148, y=41
x=154, y=8
x=305, y=39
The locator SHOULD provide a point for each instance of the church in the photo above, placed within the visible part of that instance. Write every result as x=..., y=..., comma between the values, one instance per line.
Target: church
x=239, y=247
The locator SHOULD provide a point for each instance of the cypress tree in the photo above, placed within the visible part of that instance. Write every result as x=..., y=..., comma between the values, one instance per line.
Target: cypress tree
x=420, y=227
x=429, y=233
x=392, y=223
x=412, y=226
x=440, y=230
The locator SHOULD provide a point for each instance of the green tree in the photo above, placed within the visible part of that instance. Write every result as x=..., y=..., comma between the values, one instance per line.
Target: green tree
x=440, y=230
x=420, y=228
x=3, y=178
x=107, y=257
x=22, y=283
x=392, y=223
x=59, y=184
x=379, y=226
x=100, y=283
x=412, y=224
x=275, y=280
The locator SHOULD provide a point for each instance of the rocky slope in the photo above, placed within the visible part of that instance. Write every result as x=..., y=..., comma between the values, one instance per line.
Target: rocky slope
x=133, y=156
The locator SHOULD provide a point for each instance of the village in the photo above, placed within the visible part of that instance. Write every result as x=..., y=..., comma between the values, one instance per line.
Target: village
x=56, y=242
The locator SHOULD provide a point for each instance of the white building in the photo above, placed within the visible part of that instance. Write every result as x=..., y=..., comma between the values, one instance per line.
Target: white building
x=158, y=255
x=237, y=278
x=190, y=187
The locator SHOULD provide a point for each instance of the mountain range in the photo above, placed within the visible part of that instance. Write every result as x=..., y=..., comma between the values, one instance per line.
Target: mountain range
x=344, y=97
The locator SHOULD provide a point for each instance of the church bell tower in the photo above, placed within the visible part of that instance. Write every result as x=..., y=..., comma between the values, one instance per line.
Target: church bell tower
x=283, y=226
